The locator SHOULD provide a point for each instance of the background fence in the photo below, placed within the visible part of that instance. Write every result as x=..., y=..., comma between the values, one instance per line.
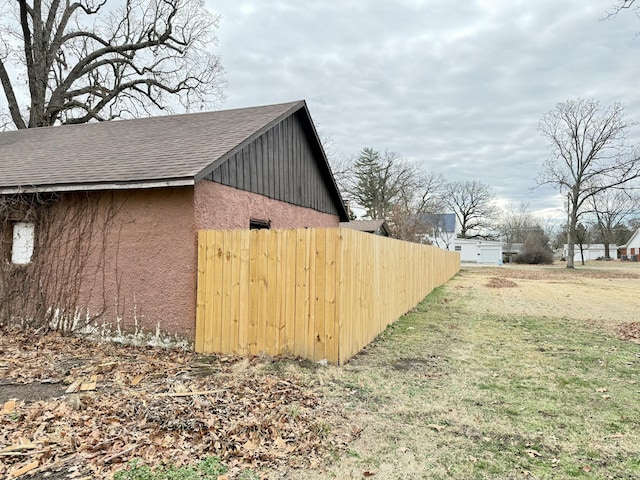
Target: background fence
x=314, y=293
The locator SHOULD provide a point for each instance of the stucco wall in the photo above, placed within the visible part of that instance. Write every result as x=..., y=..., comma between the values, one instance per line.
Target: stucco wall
x=218, y=206
x=149, y=264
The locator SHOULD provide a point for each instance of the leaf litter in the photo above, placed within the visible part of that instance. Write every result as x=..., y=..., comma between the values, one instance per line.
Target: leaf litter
x=111, y=403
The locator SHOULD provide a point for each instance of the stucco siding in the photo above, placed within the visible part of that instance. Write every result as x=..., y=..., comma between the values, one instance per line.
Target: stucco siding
x=146, y=283
x=220, y=207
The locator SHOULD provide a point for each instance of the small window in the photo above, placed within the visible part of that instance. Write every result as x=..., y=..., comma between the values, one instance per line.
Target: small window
x=458, y=248
x=259, y=224
x=23, y=241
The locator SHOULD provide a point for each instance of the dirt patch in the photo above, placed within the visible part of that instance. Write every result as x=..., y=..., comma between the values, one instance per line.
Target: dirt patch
x=430, y=365
x=30, y=392
x=497, y=282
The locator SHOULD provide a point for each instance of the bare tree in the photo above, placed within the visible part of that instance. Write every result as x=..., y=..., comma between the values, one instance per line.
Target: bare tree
x=608, y=211
x=589, y=154
x=620, y=5
x=519, y=225
x=88, y=60
x=473, y=204
x=516, y=223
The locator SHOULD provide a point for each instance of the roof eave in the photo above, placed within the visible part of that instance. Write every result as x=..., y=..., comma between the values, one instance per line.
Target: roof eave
x=88, y=187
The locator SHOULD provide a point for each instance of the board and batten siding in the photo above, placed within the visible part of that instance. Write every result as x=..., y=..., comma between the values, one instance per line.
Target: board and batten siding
x=281, y=164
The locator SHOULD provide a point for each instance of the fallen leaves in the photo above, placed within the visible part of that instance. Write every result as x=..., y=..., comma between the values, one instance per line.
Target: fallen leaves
x=630, y=331
x=159, y=405
x=497, y=282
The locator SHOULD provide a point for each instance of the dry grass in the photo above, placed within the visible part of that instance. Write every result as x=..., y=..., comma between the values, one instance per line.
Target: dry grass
x=481, y=382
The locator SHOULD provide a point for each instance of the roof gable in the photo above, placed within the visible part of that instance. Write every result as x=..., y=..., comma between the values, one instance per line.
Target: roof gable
x=284, y=161
x=632, y=240
x=369, y=226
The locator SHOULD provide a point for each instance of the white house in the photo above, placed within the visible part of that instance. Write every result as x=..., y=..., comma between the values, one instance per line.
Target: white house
x=440, y=229
x=631, y=249
x=478, y=251
x=591, y=252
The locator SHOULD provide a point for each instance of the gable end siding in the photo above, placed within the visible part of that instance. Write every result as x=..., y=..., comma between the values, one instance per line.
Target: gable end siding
x=280, y=164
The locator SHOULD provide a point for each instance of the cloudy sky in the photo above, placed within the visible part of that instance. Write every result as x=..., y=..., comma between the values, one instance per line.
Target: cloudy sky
x=458, y=87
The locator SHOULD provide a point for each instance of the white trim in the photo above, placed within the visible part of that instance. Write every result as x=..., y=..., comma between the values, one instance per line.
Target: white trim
x=95, y=186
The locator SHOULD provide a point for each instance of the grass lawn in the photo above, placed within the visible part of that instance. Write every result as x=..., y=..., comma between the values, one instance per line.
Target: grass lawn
x=452, y=392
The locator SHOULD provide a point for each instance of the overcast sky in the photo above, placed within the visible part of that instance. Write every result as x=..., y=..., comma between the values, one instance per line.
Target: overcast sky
x=458, y=87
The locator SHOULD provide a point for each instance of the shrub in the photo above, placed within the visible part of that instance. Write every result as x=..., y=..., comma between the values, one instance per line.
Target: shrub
x=535, y=250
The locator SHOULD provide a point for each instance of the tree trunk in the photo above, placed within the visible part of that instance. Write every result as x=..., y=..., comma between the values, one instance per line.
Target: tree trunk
x=571, y=236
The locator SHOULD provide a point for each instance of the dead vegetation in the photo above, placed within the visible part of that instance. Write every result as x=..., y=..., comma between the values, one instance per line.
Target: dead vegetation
x=81, y=408
x=630, y=331
x=497, y=282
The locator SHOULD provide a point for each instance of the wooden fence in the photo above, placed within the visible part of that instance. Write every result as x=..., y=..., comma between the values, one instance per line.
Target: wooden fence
x=314, y=293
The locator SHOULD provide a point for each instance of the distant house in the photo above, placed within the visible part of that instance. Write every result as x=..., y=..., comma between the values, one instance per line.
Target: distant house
x=592, y=251
x=440, y=227
x=106, y=214
x=478, y=250
x=376, y=227
x=631, y=249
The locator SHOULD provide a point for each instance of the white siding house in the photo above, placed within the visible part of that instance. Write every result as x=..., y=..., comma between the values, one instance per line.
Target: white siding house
x=631, y=249
x=478, y=251
x=591, y=252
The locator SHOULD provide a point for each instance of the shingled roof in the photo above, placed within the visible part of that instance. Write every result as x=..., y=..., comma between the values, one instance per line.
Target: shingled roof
x=140, y=153
x=368, y=226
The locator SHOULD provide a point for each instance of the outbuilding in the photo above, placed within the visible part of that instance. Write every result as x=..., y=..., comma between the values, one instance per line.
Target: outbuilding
x=478, y=250
x=100, y=220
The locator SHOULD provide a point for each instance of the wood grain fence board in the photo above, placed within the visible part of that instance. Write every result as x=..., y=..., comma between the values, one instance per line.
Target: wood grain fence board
x=331, y=284
x=342, y=254
x=311, y=310
x=290, y=292
x=319, y=296
x=302, y=297
x=254, y=293
x=262, y=252
x=281, y=297
x=226, y=318
x=271, y=333
x=211, y=294
x=235, y=294
x=244, y=300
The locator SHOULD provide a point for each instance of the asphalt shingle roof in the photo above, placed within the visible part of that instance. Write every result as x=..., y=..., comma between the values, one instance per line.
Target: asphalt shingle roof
x=145, y=150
